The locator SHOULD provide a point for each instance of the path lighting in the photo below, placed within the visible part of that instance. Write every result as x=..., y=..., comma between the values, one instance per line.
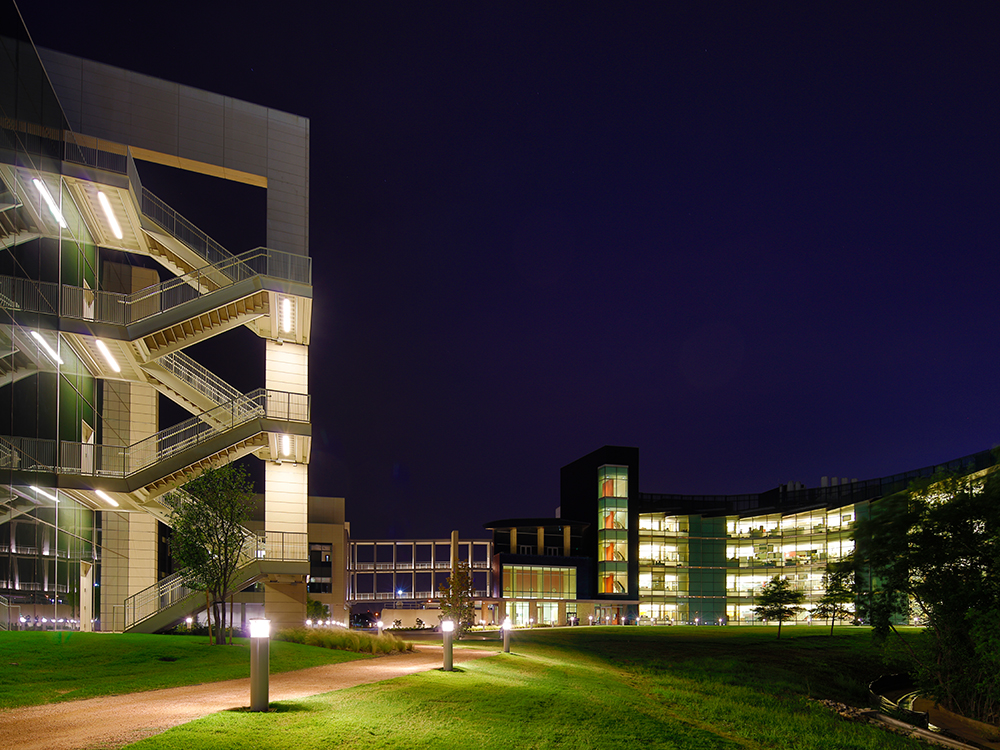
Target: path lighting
x=448, y=628
x=260, y=635
x=379, y=626
x=506, y=635
x=309, y=623
x=591, y=619
x=190, y=622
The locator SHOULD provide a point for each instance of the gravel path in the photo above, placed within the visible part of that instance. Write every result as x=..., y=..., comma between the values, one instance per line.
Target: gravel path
x=118, y=720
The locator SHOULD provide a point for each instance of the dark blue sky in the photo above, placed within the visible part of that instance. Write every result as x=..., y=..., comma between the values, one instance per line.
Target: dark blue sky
x=761, y=245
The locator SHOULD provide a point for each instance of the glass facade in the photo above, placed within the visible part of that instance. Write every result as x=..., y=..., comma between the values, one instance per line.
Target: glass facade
x=696, y=569
x=538, y=582
x=612, y=530
x=47, y=392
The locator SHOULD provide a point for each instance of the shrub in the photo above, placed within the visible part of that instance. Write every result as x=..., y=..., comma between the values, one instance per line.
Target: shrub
x=344, y=640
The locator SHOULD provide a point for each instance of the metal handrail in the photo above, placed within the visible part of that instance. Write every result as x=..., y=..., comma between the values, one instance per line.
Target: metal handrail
x=273, y=546
x=199, y=377
x=36, y=454
x=124, y=309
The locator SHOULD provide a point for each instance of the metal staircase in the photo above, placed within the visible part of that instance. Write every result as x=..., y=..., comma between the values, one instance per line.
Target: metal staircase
x=169, y=601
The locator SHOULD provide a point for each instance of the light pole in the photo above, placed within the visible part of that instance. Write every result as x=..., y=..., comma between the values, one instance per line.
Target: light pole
x=260, y=646
x=506, y=635
x=448, y=628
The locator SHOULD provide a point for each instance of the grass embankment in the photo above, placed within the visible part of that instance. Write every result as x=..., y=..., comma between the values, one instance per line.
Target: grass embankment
x=683, y=688
x=46, y=667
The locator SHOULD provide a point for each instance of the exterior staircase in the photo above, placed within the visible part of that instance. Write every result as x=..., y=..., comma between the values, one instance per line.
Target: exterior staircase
x=169, y=601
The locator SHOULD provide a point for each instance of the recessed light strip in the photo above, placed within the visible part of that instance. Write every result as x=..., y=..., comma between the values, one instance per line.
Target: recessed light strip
x=286, y=315
x=43, y=493
x=47, y=197
x=106, y=497
x=47, y=347
x=106, y=205
x=107, y=355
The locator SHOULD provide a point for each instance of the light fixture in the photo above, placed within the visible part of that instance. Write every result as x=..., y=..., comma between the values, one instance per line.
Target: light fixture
x=286, y=315
x=47, y=196
x=106, y=497
x=260, y=628
x=43, y=493
x=106, y=205
x=47, y=347
x=107, y=355
x=286, y=445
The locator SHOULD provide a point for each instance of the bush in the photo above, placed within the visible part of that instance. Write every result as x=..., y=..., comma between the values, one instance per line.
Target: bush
x=344, y=640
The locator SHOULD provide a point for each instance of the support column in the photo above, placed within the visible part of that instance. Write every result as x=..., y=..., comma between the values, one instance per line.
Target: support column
x=286, y=489
x=86, y=596
x=541, y=540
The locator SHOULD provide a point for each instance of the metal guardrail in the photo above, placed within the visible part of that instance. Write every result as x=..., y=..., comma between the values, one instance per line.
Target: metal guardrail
x=124, y=309
x=199, y=377
x=272, y=546
x=37, y=454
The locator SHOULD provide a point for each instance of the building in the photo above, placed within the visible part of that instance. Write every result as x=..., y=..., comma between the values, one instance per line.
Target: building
x=630, y=556
x=104, y=287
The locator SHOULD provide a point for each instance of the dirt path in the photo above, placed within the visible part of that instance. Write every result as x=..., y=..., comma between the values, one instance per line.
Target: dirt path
x=118, y=720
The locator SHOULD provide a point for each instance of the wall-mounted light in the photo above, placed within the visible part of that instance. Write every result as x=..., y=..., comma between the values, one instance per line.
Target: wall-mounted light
x=47, y=197
x=47, y=347
x=286, y=445
x=43, y=493
x=106, y=497
x=106, y=205
x=107, y=355
x=286, y=315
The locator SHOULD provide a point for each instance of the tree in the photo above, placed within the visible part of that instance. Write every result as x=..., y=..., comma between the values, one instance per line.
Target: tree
x=778, y=601
x=457, y=595
x=932, y=553
x=209, y=534
x=316, y=610
x=838, y=591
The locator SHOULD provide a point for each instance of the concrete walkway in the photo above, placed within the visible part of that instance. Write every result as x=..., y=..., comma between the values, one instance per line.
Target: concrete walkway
x=121, y=719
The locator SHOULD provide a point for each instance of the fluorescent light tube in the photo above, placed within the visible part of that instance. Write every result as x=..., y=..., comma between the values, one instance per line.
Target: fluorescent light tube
x=286, y=445
x=286, y=315
x=47, y=347
x=107, y=355
x=106, y=497
x=106, y=205
x=43, y=493
x=47, y=196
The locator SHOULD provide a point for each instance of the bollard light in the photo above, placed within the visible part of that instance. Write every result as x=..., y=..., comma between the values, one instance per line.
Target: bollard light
x=260, y=640
x=379, y=626
x=506, y=635
x=448, y=628
x=190, y=622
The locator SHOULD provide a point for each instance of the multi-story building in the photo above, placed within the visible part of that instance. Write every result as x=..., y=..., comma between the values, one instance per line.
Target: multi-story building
x=104, y=287
x=663, y=558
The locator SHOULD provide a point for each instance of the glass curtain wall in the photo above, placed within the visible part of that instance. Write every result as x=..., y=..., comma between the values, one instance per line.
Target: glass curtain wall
x=46, y=393
x=612, y=530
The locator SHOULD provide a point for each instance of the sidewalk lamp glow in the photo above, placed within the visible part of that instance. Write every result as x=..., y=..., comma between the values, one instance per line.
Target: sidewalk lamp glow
x=448, y=628
x=379, y=626
x=506, y=634
x=309, y=623
x=260, y=633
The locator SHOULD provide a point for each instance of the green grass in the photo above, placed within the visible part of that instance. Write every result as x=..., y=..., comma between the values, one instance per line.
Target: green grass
x=46, y=667
x=686, y=688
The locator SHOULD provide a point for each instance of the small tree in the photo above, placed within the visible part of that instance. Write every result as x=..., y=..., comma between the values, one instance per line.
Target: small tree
x=316, y=610
x=457, y=595
x=838, y=592
x=209, y=534
x=778, y=601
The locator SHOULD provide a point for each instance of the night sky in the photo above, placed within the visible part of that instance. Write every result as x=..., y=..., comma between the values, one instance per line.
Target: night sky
x=760, y=245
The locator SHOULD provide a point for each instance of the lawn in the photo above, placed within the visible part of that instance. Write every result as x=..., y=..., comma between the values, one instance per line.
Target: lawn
x=587, y=687
x=45, y=667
